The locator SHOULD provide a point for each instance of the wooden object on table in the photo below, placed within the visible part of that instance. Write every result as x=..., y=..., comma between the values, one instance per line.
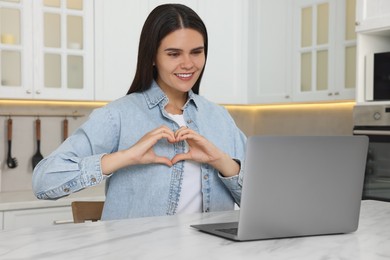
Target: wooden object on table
x=87, y=211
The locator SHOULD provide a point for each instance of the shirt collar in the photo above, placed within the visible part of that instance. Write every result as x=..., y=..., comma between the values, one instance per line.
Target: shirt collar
x=154, y=96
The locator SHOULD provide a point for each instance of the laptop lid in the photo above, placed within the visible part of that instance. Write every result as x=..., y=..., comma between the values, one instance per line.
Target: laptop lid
x=300, y=186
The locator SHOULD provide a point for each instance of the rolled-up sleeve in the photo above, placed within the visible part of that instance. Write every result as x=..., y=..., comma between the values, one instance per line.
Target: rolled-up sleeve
x=234, y=183
x=76, y=163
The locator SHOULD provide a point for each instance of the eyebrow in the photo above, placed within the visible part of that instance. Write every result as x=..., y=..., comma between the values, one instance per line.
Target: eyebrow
x=176, y=49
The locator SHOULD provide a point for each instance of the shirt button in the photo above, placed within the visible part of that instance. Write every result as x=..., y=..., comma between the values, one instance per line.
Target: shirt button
x=189, y=121
x=93, y=179
x=66, y=190
x=206, y=177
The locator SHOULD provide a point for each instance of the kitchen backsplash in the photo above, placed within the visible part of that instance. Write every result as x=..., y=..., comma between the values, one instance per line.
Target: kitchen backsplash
x=24, y=144
x=326, y=119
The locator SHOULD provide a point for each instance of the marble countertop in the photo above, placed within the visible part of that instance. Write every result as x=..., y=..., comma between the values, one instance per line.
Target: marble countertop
x=16, y=200
x=171, y=237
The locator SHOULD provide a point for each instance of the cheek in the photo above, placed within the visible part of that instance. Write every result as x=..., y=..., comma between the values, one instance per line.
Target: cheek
x=200, y=62
x=165, y=67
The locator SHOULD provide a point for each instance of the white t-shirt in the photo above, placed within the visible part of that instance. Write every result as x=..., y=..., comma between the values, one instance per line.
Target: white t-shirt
x=191, y=188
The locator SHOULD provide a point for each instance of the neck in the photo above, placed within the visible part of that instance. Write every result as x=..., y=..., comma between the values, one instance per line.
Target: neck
x=175, y=106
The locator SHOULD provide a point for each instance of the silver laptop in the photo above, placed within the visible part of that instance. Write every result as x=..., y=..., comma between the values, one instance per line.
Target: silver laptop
x=298, y=186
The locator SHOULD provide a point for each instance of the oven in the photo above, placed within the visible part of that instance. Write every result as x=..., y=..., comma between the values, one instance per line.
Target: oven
x=374, y=122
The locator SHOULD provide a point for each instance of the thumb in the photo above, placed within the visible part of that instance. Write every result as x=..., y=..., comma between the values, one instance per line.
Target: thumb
x=163, y=160
x=180, y=157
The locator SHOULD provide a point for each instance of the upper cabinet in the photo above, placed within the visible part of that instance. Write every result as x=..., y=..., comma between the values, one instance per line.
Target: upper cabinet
x=324, y=52
x=372, y=15
x=15, y=48
x=304, y=51
x=225, y=79
x=269, y=51
x=118, y=25
x=260, y=51
x=373, y=27
x=47, y=49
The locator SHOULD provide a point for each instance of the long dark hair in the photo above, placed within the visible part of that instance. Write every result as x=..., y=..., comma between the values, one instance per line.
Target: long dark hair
x=163, y=20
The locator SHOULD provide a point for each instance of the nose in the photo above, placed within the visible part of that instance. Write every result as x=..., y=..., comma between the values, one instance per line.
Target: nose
x=187, y=62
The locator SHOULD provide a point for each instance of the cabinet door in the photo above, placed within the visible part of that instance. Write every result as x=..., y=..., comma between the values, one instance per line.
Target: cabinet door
x=15, y=49
x=324, y=50
x=118, y=27
x=269, y=71
x=64, y=49
x=37, y=217
x=225, y=76
x=372, y=15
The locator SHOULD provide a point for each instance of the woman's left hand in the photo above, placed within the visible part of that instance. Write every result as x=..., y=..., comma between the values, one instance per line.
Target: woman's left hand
x=203, y=151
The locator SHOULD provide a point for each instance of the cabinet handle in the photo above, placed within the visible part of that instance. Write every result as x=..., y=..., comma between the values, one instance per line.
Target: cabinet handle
x=38, y=92
x=330, y=94
x=286, y=96
x=28, y=91
x=61, y=222
x=357, y=23
x=337, y=93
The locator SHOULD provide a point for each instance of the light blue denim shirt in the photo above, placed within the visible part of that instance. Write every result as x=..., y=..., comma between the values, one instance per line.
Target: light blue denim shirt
x=142, y=190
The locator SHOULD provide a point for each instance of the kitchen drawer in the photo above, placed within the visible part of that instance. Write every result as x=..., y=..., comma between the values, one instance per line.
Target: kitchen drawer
x=37, y=217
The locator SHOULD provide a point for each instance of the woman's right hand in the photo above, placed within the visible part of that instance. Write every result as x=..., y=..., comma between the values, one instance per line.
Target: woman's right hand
x=140, y=153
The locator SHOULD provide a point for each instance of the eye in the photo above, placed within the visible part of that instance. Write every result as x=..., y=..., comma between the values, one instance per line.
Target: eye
x=197, y=52
x=173, y=54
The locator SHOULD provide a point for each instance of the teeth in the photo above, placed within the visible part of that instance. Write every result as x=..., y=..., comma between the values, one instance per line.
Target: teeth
x=184, y=75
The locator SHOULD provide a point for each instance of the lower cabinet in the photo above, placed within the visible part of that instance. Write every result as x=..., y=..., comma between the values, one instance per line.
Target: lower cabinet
x=36, y=217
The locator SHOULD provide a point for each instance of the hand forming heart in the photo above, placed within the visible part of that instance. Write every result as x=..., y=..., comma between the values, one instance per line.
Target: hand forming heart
x=200, y=149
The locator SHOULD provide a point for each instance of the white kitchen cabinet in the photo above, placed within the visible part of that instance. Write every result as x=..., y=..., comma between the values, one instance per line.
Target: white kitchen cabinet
x=47, y=49
x=301, y=51
x=16, y=49
x=372, y=15
x=270, y=38
x=225, y=77
x=324, y=50
x=119, y=24
x=37, y=217
x=373, y=27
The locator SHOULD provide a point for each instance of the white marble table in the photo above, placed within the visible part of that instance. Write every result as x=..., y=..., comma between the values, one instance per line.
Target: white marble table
x=173, y=238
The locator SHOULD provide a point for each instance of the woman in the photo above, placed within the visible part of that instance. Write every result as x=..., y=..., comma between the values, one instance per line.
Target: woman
x=162, y=148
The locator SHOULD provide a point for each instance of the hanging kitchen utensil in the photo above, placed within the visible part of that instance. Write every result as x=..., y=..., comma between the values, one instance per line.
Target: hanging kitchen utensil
x=11, y=161
x=37, y=156
x=65, y=130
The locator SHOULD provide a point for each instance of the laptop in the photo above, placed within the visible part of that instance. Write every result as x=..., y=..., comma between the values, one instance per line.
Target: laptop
x=298, y=186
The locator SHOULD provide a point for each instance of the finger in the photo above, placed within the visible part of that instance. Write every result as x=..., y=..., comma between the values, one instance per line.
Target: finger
x=161, y=129
x=180, y=157
x=187, y=135
x=149, y=141
x=164, y=132
x=184, y=131
x=180, y=130
x=163, y=160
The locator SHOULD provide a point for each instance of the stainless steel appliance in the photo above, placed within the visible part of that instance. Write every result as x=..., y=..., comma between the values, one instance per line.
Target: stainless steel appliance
x=374, y=122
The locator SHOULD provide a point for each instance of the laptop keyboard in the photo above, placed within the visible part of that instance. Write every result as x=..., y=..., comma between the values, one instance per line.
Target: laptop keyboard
x=232, y=231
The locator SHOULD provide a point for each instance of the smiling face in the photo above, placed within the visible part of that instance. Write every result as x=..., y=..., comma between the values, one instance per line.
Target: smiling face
x=179, y=61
